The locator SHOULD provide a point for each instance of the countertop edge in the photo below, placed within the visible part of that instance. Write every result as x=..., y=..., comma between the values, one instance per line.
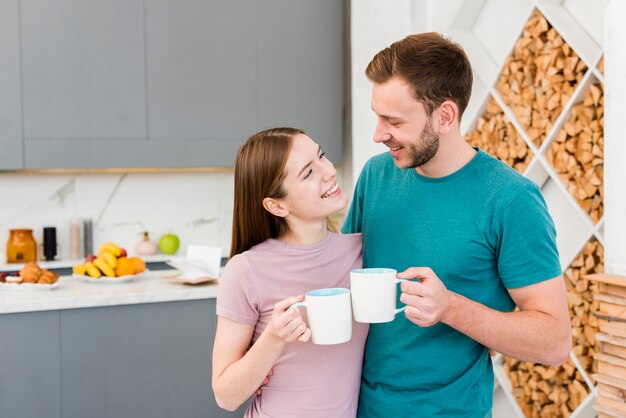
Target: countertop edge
x=74, y=294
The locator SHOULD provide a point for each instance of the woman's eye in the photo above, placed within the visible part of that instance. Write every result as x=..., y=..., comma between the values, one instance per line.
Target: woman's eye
x=322, y=155
x=308, y=174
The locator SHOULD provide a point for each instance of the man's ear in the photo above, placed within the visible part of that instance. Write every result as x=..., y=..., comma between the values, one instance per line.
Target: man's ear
x=275, y=207
x=447, y=113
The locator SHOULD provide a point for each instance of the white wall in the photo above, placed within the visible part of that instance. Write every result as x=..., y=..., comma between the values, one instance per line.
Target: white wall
x=375, y=24
x=614, y=140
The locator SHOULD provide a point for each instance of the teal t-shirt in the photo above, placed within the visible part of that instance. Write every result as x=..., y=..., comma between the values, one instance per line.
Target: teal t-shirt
x=482, y=229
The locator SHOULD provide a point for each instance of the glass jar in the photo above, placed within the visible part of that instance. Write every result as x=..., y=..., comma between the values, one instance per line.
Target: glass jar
x=21, y=246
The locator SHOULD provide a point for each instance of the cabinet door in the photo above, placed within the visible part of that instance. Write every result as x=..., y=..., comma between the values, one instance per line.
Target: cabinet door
x=149, y=360
x=300, y=78
x=202, y=74
x=30, y=365
x=11, y=156
x=84, y=82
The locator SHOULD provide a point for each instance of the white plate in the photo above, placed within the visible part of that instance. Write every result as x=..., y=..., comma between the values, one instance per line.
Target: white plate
x=28, y=287
x=105, y=279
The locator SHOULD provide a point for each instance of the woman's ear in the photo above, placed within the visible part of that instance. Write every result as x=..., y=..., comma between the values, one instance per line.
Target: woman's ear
x=275, y=207
x=448, y=113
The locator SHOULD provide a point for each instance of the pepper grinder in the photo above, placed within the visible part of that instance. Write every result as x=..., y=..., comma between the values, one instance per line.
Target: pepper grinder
x=88, y=237
x=49, y=243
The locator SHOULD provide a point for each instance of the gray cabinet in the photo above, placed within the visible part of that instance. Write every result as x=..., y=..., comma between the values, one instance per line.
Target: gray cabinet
x=165, y=83
x=148, y=360
x=11, y=155
x=30, y=365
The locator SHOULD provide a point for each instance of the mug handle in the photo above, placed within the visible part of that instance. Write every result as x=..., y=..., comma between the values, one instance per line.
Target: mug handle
x=298, y=304
x=397, y=311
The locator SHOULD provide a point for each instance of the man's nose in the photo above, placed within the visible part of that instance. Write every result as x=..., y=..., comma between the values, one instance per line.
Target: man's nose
x=380, y=133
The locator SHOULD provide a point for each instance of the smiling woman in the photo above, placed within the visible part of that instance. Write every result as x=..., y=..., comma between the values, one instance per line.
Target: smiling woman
x=282, y=247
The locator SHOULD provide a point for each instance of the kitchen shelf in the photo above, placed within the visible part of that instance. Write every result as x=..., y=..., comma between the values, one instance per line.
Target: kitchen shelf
x=489, y=31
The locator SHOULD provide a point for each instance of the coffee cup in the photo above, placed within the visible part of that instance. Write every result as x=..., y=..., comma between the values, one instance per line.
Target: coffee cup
x=329, y=315
x=374, y=292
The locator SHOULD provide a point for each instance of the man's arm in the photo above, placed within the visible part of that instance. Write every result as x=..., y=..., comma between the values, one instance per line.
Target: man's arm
x=539, y=331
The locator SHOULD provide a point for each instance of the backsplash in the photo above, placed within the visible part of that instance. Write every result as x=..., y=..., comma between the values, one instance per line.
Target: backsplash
x=195, y=206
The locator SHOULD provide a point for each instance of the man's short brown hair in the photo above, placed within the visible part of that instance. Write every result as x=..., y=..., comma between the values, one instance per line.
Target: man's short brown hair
x=436, y=68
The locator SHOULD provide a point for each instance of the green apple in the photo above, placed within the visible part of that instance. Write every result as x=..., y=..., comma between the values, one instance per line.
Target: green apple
x=169, y=243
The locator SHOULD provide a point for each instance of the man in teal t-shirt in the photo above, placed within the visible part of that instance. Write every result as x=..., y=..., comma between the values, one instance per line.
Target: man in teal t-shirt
x=475, y=236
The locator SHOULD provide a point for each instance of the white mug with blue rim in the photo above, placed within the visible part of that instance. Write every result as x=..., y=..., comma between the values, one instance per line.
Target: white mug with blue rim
x=329, y=315
x=374, y=292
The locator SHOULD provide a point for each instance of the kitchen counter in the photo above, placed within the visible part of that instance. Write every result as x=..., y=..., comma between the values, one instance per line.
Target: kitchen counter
x=73, y=293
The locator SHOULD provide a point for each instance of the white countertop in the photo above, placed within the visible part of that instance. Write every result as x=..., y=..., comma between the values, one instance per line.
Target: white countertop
x=73, y=293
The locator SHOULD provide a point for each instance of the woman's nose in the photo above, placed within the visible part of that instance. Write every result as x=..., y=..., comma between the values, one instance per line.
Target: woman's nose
x=329, y=171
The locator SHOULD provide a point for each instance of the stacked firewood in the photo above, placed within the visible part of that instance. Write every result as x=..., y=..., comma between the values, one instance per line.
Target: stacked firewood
x=550, y=392
x=577, y=153
x=611, y=358
x=495, y=135
x=539, y=77
x=582, y=305
x=557, y=391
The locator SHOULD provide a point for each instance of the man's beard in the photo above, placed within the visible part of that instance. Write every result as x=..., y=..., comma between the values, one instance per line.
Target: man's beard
x=421, y=153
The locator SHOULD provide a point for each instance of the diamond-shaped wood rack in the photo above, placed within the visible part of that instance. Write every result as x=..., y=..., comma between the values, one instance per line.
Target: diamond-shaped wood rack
x=539, y=77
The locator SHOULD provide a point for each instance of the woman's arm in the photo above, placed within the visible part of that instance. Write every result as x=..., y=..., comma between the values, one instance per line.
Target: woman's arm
x=238, y=369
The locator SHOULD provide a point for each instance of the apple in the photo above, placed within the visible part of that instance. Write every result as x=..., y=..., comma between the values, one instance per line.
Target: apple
x=169, y=243
x=90, y=258
x=123, y=252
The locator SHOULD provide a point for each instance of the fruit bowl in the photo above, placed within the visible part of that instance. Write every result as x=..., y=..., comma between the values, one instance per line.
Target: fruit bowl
x=105, y=279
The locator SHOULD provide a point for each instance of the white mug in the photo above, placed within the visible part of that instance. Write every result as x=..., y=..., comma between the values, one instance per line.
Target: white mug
x=374, y=294
x=329, y=315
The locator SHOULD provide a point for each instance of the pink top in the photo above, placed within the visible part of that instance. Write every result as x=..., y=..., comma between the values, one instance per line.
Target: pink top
x=308, y=380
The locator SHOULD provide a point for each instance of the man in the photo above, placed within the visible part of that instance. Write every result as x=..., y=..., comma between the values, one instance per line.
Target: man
x=475, y=235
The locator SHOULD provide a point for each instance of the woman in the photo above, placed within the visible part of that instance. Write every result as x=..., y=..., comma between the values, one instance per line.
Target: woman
x=285, y=190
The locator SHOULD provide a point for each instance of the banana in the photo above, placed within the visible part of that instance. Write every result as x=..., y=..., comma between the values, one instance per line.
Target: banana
x=79, y=269
x=92, y=270
x=104, y=267
x=109, y=258
x=110, y=246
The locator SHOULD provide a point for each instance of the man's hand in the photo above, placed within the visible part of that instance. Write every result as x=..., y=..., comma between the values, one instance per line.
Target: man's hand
x=259, y=391
x=428, y=300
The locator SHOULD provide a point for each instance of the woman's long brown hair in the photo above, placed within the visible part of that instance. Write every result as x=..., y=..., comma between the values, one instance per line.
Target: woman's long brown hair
x=259, y=173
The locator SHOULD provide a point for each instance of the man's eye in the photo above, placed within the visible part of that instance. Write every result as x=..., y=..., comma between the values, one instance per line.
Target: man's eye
x=308, y=174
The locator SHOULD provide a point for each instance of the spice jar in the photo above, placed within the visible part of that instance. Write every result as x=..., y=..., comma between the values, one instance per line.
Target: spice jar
x=21, y=246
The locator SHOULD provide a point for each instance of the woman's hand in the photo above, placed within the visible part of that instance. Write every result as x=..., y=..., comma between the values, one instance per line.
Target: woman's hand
x=287, y=323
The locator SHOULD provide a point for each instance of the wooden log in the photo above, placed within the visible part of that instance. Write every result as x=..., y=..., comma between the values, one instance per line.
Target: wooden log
x=615, y=328
x=608, y=338
x=614, y=350
x=612, y=381
x=619, y=281
x=617, y=408
x=610, y=369
x=613, y=310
